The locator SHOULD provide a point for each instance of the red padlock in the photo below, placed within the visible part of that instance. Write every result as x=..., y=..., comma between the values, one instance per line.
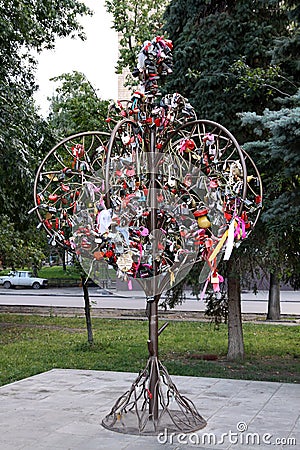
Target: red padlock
x=48, y=224
x=157, y=121
x=65, y=187
x=244, y=217
x=53, y=197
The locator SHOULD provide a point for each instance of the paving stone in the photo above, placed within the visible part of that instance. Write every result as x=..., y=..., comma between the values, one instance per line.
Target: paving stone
x=63, y=410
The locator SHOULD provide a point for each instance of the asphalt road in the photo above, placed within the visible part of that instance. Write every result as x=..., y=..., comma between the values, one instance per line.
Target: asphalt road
x=72, y=297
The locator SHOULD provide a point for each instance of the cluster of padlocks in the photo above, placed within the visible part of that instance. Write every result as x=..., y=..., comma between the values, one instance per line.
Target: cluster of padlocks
x=97, y=193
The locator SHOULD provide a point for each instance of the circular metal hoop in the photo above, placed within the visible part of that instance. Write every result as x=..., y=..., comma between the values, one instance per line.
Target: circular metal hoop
x=221, y=147
x=71, y=165
x=253, y=202
x=116, y=111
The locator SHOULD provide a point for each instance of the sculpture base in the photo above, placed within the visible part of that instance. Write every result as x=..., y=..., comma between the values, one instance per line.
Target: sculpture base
x=140, y=411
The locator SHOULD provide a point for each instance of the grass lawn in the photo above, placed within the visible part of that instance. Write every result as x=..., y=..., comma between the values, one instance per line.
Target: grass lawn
x=57, y=272
x=33, y=344
x=71, y=273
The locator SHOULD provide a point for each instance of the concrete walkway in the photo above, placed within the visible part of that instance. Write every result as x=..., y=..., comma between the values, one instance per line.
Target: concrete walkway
x=63, y=409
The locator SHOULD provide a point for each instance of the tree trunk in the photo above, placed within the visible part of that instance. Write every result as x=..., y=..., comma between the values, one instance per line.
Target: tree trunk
x=64, y=260
x=87, y=309
x=274, y=298
x=235, y=329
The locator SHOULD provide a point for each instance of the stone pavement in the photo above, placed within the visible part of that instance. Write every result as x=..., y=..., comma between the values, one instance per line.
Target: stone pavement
x=63, y=409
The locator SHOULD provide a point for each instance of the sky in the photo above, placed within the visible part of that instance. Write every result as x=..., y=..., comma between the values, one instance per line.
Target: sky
x=96, y=57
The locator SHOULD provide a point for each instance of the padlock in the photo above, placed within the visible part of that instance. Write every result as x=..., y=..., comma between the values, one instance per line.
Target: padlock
x=52, y=241
x=98, y=255
x=125, y=261
x=53, y=197
x=119, y=248
x=201, y=216
x=130, y=171
x=65, y=187
x=67, y=171
x=214, y=279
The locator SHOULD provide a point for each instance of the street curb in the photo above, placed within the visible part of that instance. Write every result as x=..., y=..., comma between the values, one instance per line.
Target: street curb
x=53, y=294
x=137, y=314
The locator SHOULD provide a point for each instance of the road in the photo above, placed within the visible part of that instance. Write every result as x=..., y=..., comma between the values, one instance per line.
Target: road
x=72, y=297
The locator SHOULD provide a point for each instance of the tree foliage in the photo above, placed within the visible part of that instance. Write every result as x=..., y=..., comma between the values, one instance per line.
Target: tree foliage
x=18, y=249
x=35, y=24
x=75, y=106
x=210, y=38
x=26, y=27
x=136, y=22
x=277, y=151
x=23, y=134
x=236, y=56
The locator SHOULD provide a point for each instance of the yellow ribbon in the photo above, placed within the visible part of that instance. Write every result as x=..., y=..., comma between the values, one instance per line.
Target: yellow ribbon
x=220, y=243
x=172, y=277
x=218, y=246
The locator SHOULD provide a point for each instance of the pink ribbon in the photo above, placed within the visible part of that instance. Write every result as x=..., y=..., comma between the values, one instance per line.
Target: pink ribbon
x=140, y=247
x=241, y=226
x=204, y=289
x=216, y=286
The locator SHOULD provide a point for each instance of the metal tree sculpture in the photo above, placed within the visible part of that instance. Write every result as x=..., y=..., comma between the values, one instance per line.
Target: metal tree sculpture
x=162, y=192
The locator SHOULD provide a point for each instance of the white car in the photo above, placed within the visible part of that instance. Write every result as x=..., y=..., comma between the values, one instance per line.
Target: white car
x=22, y=278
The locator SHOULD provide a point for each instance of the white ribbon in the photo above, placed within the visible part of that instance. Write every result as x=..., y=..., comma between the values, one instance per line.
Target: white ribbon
x=230, y=241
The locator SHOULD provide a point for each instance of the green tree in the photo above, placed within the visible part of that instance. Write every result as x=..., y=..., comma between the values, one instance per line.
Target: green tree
x=18, y=249
x=277, y=150
x=136, y=22
x=286, y=51
x=34, y=25
x=26, y=28
x=24, y=138
x=274, y=130
x=76, y=107
x=209, y=38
